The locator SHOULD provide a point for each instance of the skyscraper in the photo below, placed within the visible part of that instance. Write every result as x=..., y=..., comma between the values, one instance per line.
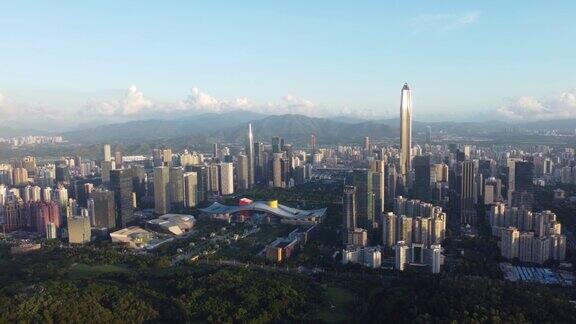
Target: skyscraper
x=391, y=182
x=47, y=194
x=362, y=180
x=286, y=171
x=389, y=226
x=405, y=132
x=138, y=182
x=404, y=229
x=349, y=206
x=226, y=172
x=277, y=170
x=215, y=150
x=259, y=175
x=214, y=179
x=250, y=155
x=162, y=157
x=121, y=184
x=510, y=243
x=176, y=188
x=105, y=168
x=422, y=177
x=104, y=208
x=523, y=194
x=378, y=185
x=511, y=164
x=167, y=157
x=302, y=173
x=463, y=192
x=486, y=168
x=190, y=189
x=161, y=180
x=366, y=143
x=118, y=158
x=243, y=172
x=202, y=181
x=313, y=143
x=43, y=213
x=62, y=174
x=78, y=230
x=107, y=153
x=401, y=255
x=276, y=144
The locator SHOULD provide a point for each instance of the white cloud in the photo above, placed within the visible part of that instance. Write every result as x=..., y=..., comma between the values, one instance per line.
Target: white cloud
x=134, y=104
x=131, y=104
x=202, y=102
x=198, y=101
x=443, y=22
x=529, y=108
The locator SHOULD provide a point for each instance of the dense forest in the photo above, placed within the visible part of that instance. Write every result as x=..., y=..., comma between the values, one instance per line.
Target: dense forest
x=466, y=300
x=187, y=295
x=51, y=287
x=60, y=285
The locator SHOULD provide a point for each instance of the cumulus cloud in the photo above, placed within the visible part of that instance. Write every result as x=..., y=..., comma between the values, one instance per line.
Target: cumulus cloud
x=289, y=104
x=294, y=105
x=529, y=108
x=443, y=22
x=198, y=101
x=132, y=103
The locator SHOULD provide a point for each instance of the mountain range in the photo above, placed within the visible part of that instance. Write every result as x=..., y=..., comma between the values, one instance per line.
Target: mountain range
x=231, y=127
x=7, y=131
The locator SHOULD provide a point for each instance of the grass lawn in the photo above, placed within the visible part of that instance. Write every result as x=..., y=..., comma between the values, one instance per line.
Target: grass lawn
x=247, y=248
x=337, y=305
x=269, y=233
x=80, y=270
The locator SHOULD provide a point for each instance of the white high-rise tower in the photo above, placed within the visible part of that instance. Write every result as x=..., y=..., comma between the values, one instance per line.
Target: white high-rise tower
x=107, y=153
x=405, y=132
x=250, y=153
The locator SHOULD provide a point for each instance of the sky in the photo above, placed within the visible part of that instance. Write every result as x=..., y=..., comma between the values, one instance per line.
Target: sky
x=72, y=63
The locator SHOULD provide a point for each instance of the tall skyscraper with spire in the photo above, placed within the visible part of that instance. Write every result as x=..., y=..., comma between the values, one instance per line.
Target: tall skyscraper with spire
x=405, y=132
x=250, y=154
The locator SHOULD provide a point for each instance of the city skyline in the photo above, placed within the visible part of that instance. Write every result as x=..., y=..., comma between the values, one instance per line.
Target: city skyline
x=317, y=60
x=234, y=162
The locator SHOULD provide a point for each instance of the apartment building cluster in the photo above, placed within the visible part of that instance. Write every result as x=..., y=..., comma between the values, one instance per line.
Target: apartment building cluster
x=527, y=236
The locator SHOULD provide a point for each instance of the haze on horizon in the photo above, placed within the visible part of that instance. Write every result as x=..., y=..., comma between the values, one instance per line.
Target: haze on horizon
x=79, y=63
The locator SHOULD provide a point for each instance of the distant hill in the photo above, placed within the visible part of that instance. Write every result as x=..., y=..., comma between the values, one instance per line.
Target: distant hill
x=231, y=127
x=348, y=119
x=6, y=131
x=298, y=128
x=560, y=124
x=153, y=129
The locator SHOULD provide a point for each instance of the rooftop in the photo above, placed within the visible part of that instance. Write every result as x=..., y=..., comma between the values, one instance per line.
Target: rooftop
x=261, y=206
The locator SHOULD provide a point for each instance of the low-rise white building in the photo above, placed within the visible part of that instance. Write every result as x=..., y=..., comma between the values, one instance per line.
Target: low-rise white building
x=367, y=256
x=138, y=238
x=174, y=224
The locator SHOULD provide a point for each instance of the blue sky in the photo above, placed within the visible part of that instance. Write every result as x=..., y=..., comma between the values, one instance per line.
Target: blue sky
x=79, y=59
